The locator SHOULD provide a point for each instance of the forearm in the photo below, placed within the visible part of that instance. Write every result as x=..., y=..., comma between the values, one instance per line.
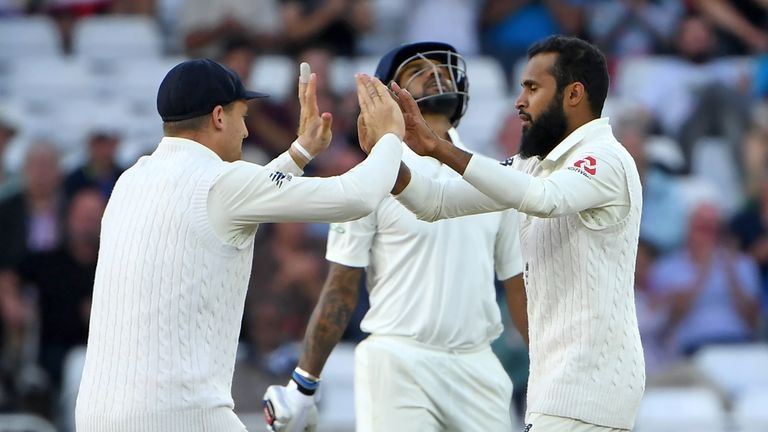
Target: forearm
x=250, y=194
x=721, y=13
x=517, y=303
x=330, y=317
x=432, y=200
x=746, y=306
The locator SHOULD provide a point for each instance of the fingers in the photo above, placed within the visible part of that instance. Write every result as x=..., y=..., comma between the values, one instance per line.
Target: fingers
x=310, y=95
x=404, y=99
x=363, y=96
x=304, y=73
x=327, y=119
x=373, y=90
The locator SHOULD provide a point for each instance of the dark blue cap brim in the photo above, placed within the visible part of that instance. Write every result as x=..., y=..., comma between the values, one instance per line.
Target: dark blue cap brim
x=254, y=95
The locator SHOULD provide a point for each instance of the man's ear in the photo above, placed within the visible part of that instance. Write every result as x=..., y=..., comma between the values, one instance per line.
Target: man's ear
x=574, y=94
x=217, y=117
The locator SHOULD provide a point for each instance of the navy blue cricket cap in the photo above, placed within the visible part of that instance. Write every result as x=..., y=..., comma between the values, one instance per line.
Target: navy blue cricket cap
x=194, y=88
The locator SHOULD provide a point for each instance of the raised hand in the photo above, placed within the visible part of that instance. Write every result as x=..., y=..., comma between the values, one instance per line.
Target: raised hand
x=418, y=135
x=379, y=112
x=314, y=128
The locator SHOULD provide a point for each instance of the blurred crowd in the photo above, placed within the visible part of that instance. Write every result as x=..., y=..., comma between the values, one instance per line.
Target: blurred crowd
x=689, y=100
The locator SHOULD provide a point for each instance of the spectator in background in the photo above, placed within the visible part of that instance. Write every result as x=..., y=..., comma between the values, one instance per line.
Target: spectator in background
x=63, y=282
x=9, y=183
x=632, y=27
x=333, y=23
x=652, y=311
x=16, y=314
x=691, y=95
x=715, y=111
x=100, y=170
x=265, y=354
x=30, y=220
x=750, y=226
x=289, y=267
x=206, y=26
x=66, y=13
x=663, y=220
x=712, y=289
x=741, y=24
x=508, y=28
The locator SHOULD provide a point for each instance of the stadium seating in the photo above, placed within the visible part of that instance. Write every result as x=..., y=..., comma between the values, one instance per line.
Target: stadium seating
x=108, y=38
x=275, y=75
x=33, y=36
x=735, y=369
x=680, y=409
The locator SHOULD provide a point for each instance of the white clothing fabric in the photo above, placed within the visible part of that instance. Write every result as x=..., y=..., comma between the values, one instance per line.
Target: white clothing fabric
x=579, y=243
x=545, y=423
x=170, y=287
x=405, y=386
x=432, y=282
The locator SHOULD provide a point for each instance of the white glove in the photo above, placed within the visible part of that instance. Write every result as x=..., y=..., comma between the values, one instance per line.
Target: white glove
x=286, y=409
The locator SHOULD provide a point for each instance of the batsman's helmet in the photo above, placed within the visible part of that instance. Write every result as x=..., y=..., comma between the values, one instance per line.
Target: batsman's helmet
x=449, y=101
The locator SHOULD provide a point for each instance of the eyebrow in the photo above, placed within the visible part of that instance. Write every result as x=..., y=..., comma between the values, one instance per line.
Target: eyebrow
x=529, y=83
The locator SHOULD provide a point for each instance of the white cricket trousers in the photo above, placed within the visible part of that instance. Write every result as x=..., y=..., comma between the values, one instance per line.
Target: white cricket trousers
x=405, y=386
x=537, y=422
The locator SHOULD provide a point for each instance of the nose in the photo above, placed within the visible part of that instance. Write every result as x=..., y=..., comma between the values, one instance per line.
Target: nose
x=521, y=103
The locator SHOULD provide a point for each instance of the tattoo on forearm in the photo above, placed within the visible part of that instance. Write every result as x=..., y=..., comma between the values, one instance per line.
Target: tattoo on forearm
x=330, y=317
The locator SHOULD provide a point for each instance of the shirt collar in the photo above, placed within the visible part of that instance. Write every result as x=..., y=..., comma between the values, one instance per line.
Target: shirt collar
x=176, y=144
x=455, y=139
x=575, y=137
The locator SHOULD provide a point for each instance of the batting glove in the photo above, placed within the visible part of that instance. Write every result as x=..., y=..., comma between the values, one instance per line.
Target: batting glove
x=288, y=409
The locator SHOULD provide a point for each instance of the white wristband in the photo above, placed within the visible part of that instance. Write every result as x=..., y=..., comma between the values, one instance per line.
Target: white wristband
x=302, y=151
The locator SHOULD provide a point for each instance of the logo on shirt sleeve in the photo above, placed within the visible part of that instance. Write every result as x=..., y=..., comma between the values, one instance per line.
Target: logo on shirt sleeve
x=278, y=178
x=588, y=165
x=508, y=161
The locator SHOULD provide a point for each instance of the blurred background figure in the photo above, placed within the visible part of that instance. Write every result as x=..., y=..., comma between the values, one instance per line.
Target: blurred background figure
x=208, y=25
x=712, y=288
x=100, y=170
x=508, y=28
x=333, y=23
x=59, y=284
x=31, y=220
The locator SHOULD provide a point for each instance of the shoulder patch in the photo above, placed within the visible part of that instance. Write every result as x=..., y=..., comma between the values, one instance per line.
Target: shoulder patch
x=588, y=165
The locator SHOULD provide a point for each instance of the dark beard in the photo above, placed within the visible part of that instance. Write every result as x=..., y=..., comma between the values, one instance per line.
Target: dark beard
x=546, y=132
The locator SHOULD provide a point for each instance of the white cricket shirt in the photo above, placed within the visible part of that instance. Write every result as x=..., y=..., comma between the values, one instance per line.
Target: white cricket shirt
x=174, y=262
x=579, y=243
x=432, y=282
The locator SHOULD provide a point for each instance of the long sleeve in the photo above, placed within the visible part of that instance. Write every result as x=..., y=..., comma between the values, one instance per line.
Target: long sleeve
x=431, y=199
x=488, y=186
x=249, y=194
x=568, y=190
x=285, y=163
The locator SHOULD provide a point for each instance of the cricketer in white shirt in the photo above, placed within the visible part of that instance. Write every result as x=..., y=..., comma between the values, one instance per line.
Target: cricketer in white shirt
x=433, y=313
x=579, y=241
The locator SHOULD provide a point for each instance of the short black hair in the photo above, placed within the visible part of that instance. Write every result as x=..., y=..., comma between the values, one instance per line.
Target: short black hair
x=577, y=60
